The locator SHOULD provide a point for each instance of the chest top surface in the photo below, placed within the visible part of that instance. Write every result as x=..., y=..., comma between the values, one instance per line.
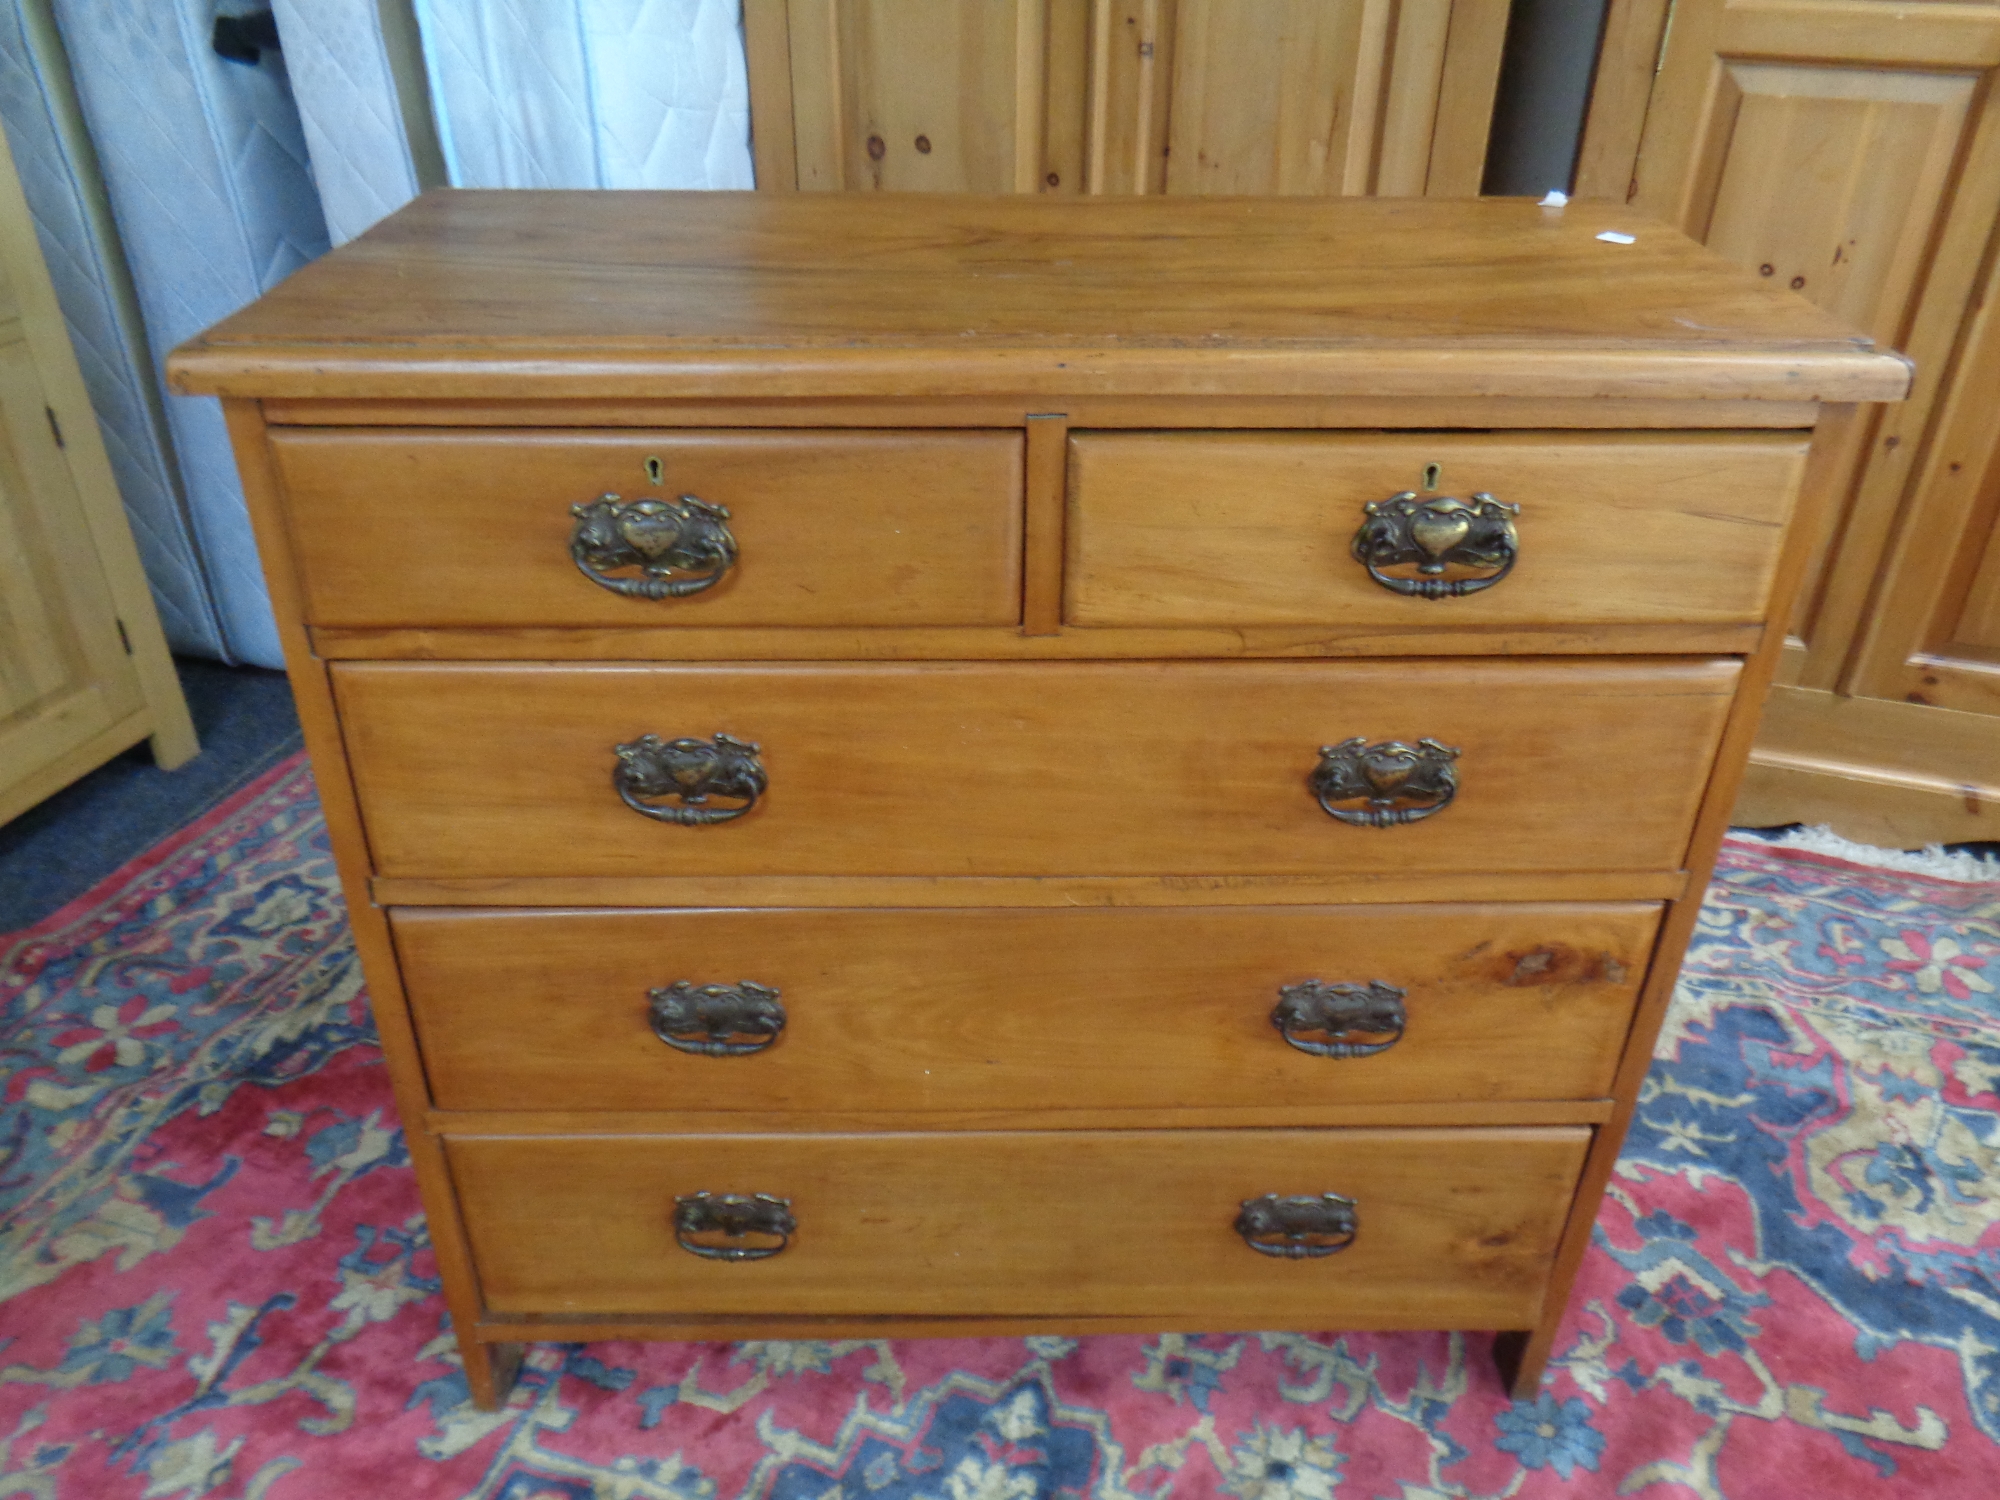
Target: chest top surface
x=580, y=294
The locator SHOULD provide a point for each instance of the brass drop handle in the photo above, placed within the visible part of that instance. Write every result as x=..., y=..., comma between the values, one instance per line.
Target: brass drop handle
x=1340, y=1020
x=1384, y=785
x=679, y=547
x=688, y=772
x=733, y=1226
x=1421, y=539
x=1299, y=1228
x=716, y=1020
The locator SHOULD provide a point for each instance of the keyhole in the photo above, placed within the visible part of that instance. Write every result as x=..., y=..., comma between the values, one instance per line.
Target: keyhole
x=1432, y=473
x=654, y=469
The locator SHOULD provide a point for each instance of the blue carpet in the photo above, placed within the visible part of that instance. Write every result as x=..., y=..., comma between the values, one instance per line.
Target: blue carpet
x=56, y=851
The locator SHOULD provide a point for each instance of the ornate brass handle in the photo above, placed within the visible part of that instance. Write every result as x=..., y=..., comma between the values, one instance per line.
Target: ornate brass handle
x=680, y=547
x=716, y=1226
x=1433, y=535
x=1381, y=786
x=1299, y=1228
x=1351, y=1020
x=690, y=771
x=716, y=1020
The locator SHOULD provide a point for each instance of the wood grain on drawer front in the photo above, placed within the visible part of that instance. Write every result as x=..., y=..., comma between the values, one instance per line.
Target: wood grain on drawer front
x=1256, y=528
x=1044, y=768
x=1457, y=1228
x=410, y=527
x=934, y=1010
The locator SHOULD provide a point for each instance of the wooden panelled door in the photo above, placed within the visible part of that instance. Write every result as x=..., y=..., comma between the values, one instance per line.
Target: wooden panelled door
x=1389, y=97
x=64, y=676
x=84, y=671
x=1850, y=150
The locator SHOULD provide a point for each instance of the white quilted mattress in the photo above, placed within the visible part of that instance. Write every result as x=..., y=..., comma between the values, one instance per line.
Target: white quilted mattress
x=206, y=169
x=338, y=60
x=589, y=93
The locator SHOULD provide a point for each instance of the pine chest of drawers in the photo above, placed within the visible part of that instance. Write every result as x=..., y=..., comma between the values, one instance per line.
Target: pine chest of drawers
x=927, y=765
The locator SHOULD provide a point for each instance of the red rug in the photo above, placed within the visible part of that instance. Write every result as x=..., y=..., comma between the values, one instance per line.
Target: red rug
x=216, y=1278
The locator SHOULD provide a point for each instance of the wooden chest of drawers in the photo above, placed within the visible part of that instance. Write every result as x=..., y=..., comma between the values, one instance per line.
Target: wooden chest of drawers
x=925, y=765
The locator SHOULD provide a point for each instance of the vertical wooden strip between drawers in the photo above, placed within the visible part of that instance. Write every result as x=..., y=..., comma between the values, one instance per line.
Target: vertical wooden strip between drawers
x=1041, y=578
x=488, y=1368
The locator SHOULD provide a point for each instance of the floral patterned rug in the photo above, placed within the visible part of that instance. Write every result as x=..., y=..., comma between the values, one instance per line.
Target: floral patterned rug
x=215, y=1279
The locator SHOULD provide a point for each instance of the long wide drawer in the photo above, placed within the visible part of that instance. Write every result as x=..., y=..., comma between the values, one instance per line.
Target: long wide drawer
x=1029, y=769
x=1260, y=528
x=1451, y=1229
x=828, y=528
x=993, y=1010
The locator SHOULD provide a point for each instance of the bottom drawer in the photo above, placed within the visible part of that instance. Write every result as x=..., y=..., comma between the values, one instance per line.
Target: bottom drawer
x=1452, y=1228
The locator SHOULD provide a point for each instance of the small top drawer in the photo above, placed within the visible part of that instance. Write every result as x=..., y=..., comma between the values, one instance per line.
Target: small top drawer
x=478, y=528
x=1260, y=528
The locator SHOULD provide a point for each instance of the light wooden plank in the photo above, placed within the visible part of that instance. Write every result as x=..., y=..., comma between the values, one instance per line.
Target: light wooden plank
x=767, y=51
x=1414, y=97
x=1466, y=89
x=1131, y=78
x=1627, y=59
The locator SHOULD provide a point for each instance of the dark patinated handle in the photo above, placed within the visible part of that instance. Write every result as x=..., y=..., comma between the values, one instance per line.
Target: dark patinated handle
x=716, y=1020
x=720, y=1226
x=1348, y=1020
x=1430, y=536
x=1299, y=1228
x=1384, y=785
x=679, y=547
x=689, y=772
